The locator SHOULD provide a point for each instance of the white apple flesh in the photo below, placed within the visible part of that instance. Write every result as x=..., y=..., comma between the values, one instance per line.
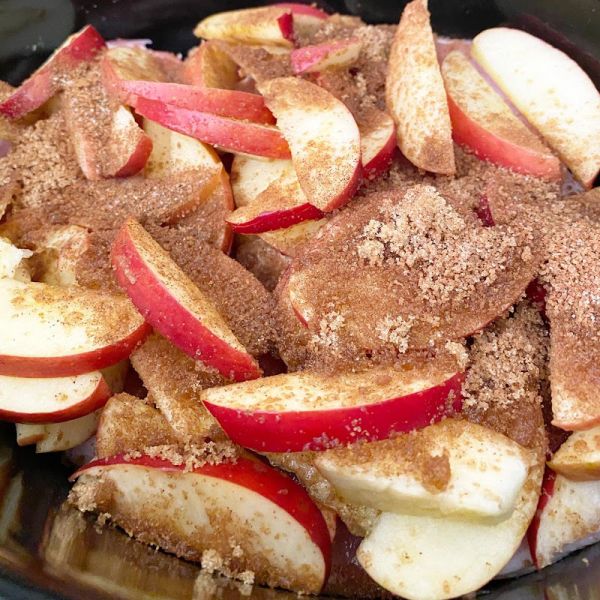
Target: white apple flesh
x=579, y=456
x=336, y=54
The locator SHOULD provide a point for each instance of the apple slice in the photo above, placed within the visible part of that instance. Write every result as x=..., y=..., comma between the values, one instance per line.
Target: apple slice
x=248, y=514
x=269, y=25
x=323, y=137
x=51, y=400
x=229, y=134
x=568, y=518
x=49, y=331
x=484, y=123
x=59, y=437
x=208, y=66
x=377, y=141
x=452, y=468
x=551, y=90
x=578, y=458
x=290, y=240
x=11, y=260
x=310, y=411
x=424, y=557
x=29, y=433
x=520, y=564
x=41, y=85
x=327, y=55
x=415, y=94
x=252, y=176
x=174, y=306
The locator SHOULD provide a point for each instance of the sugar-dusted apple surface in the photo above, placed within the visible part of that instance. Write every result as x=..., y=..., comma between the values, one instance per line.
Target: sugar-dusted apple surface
x=319, y=285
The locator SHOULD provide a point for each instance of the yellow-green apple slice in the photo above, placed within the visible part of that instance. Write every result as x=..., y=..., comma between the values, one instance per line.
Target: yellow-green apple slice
x=51, y=399
x=311, y=411
x=415, y=94
x=567, y=518
x=230, y=134
x=377, y=141
x=290, y=240
x=485, y=124
x=41, y=85
x=251, y=176
x=49, y=331
x=208, y=66
x=11, y=259
x=551, y=90
x=253, y=516
x=269, y=25
x=59, y=437
x=174, y=306
x=479, y=472
x=426, y=557
x=323, y=137
x=327, y=55
x=578, y=458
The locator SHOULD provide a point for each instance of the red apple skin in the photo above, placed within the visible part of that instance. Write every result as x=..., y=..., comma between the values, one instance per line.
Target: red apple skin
x=138, y=158
x=77, y=364
x=271, y=220
x=236, y=136
x=286, y=25
x=254, y=475
x=487, y=146
x=303, y=9
x=484, y=212
x=93, y=402
x=546, y=494
x=39, y=88
x=168, y=317
x=298, y=431
x=382, y=161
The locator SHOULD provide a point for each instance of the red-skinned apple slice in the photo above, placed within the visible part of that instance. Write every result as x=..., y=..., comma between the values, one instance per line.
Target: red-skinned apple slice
x=415, y=94
x=269, y=25
x=578, y=458
x=29, y=433
x=51, y=400
x=282, y=534
x=174, y=306
x=40, y=86
x=567, y=518
x=551, y=90
x=230, y=134
x=323, y=137
x=377, y=141
x=336, y=54
x=483, y=122
x=251, y=176
x=208, y=66
x=307, y=411
x=49, y=331
x=423, y=557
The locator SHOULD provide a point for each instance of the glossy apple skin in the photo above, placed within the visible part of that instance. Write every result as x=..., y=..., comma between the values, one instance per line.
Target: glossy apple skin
x=279, y=219
x=545, y=495
x=230, y=134
x=297, y=431
x=254, y=475
x=40, y=87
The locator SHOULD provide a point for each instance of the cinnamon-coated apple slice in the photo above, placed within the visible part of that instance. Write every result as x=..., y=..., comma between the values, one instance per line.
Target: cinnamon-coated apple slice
x=290, y=240
x=207, y=65
x=247, y=513
x=49, y=331
x=327, y=55
x=551, y=90
x=323, y=137
x=415, y=93
x=377, y=141
x=484, y=123
x=230, y=134
x=250, y=176
x=174, y=306
x=41, y=85
x=578, y=458
x=310, y=411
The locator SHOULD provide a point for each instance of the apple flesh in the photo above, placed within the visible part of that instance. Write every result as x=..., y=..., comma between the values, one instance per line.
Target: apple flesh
x=230, y=134
x=291, y=240
x=424, y=557
x=252, y=176
x=484, y=123
x=336, y=54
x=11, y=260
x=309, y=411
x=486, y=472
x=377, y=141
x=49, y=331
x=208, y=66
x=415, y=94
x=41, y=85
x=551, y=90
x=174, y=306
x=59, y=437
x=578, y=458
x=280, y=533
x=323, y=137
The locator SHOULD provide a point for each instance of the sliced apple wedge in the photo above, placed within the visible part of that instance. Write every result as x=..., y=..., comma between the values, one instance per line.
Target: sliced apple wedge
x=415, y=94
x=49, y=331
x=323, y=137
x=551, y=90
x=309, y=411
x=269, y=25
x=59, y=437
x=251, y=176
x=290, y=240
x=248, y=514
x=11, y=259
x=174, y=306
x=328, y=55
x=452, y=468
x=377, y=141
x=51, y=400
x=208, y=66
x=579, y=457
x=484, y=123
x=229, y=134
x=29, y=433
x=426, y=558
x=41, y=85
